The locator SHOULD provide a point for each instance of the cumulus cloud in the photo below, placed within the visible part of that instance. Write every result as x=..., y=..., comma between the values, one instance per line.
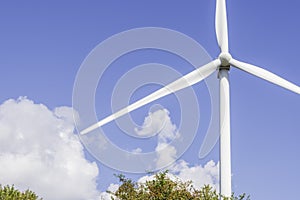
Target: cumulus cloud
x=137, y=150
x=166, y=154
x=198, y=174
x=111, y=189
x=182, y=171
x=144, y=179
x=39, y=151
x=159, y=123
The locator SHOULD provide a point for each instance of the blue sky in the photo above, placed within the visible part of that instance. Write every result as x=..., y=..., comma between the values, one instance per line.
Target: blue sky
x=44, y=43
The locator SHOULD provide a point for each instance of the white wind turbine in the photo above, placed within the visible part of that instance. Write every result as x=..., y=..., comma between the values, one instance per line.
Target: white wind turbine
x=222, y=64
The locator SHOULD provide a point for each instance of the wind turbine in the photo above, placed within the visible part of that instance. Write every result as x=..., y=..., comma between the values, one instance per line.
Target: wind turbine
x=222, y=65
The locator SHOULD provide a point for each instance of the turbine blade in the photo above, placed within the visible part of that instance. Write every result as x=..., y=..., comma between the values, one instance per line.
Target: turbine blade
x=266, y=75
x=183, y=82
x=221, y=25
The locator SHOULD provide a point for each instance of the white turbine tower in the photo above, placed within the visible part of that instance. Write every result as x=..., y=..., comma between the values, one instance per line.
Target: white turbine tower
x=222, y=64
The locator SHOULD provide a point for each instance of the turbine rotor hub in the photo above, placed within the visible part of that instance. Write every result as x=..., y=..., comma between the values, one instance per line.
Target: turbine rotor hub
x=225, y=57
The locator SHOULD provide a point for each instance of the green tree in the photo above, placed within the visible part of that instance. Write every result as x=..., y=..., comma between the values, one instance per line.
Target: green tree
x=10, y=193
x=163, y=188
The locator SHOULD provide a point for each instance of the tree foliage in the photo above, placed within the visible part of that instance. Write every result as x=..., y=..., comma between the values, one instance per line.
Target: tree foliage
x=10, y=193
x=163, y=188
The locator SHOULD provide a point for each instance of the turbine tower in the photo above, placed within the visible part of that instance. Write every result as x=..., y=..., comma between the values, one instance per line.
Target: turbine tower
x=222, y=64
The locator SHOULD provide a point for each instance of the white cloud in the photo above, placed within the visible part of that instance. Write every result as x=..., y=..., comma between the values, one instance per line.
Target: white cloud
x=166, y=155
x=137, y=150
x=105, y=196
x=158, y=122
x=111, y=188
x=182, y=171
x=39, y=151
x=200, y=176
x=146, y=178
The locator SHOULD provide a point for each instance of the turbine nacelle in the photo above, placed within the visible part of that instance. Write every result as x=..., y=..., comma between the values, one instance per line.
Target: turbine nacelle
x=225, y=58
